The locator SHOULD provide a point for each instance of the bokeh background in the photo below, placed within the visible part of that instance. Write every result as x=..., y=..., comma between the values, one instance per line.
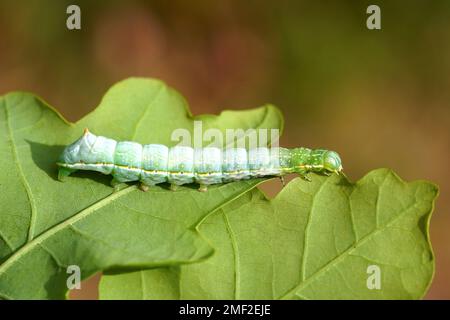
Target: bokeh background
x=379, y=97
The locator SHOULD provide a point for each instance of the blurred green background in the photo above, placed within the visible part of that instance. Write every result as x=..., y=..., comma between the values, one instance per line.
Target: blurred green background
x=379, y=97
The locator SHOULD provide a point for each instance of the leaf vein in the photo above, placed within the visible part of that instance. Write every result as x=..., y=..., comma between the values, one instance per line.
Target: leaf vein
x=146, y=110
x=62, y=225
x=22, y=176
x=341, y=256
x=237, y=277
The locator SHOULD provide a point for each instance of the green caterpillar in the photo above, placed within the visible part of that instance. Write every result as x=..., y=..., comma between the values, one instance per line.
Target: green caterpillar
x=152, y=164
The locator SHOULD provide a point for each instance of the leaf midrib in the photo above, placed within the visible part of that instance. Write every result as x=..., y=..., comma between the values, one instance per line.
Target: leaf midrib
x=307, y=227
x=343, y=255
x=62, y=225
x=235, y=249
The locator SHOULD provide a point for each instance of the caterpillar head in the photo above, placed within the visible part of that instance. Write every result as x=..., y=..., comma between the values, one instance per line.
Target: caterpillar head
x=332, y=162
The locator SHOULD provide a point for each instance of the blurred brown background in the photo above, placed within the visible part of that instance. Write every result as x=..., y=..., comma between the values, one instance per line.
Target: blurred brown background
x=381, y=98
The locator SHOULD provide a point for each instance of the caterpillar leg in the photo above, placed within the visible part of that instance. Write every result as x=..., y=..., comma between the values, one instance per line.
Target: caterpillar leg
x=173, y=187
x=64, y=172
x=304, y=176
x=282, y=181
x=116, y=184
x=143, y=187
x=203, y=188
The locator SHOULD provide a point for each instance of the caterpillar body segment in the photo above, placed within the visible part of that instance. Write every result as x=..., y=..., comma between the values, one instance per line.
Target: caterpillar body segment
x=152, y=164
